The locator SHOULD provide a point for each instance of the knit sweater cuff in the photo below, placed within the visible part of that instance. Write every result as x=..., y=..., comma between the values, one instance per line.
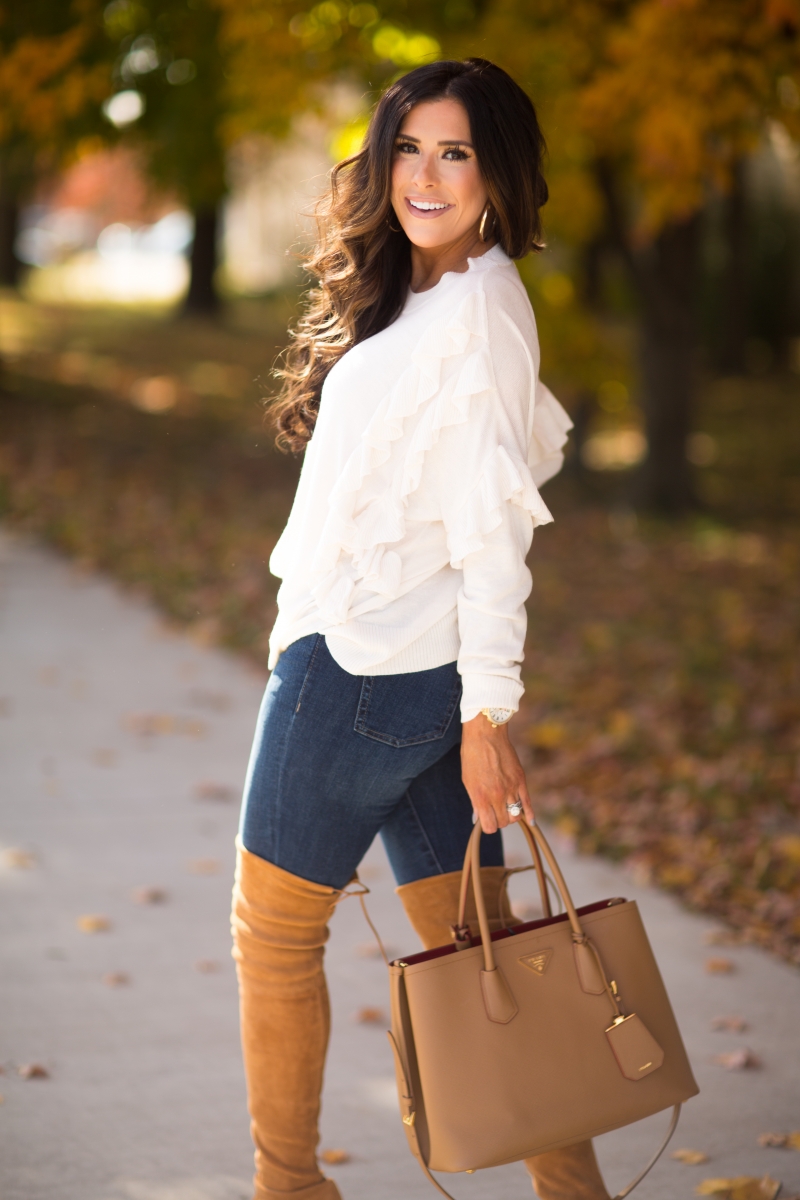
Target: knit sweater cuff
x=488, y=691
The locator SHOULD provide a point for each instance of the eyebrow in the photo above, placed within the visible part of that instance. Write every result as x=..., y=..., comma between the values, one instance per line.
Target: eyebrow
x=448, y=142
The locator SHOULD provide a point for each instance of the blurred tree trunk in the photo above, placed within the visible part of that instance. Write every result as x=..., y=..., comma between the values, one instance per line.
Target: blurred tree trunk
x=203, y=297
x=663, y=275
x=669, y=270
x=10, y=265
x=734, y=280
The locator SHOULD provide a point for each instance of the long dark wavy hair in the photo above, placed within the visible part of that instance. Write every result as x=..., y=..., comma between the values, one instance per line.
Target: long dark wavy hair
x=363, y=264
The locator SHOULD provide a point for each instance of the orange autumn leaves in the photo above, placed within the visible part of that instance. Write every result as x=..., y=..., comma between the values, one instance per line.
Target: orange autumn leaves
x=685, y=92
x=673, y=94
x=48, y=80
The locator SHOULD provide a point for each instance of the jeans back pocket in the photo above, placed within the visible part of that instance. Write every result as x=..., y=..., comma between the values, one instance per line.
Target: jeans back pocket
x=408, y=710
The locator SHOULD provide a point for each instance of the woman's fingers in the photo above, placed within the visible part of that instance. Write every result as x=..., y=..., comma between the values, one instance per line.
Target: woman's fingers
x=492, y=810
x=488, y=820
x=493, y=775
x=527, y=805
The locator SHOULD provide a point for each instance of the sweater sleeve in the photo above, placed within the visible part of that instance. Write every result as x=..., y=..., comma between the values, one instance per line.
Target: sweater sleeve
x=490, y=514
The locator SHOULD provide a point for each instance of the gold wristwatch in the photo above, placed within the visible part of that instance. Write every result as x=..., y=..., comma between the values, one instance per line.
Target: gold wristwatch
x=497, y=716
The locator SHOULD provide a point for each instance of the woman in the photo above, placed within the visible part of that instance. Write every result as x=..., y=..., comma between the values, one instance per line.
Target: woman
x=415, y=368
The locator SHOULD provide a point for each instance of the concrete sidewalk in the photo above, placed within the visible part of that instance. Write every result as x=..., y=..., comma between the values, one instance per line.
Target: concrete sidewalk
x=124, y=746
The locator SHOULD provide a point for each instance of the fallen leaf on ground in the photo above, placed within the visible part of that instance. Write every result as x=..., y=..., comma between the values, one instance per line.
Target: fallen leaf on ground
x=2, y=1099
x=738, y=1060
x=723, y=937
x=720, y=966
x=220, y=793
x=105, y=758
x=33, y=1071
x=335, y=1157
x=204, y=866
x=206, y=966
x=692, y=1158
x=116, y=979
x=730, y=1024
x=22, y=860
x=150, y=724
x=741, y=1187
x=150, y=895
x=93, y=923
x=373, y=950
x=371, y=1016
x=217, y=701
x=784, y=1141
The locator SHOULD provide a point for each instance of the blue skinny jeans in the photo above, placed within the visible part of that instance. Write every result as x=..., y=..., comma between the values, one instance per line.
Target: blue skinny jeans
x=338, y=758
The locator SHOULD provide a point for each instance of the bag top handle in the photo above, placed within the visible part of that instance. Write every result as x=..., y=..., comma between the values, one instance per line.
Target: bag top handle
x=537, y=866
x=536, y=840
x=473, y=865
x=583, y=946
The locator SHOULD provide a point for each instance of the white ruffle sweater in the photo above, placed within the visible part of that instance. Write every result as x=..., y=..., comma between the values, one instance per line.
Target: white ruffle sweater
x=417, y=500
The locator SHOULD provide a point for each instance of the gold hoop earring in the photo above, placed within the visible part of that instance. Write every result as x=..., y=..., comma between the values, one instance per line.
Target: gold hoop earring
x=484, y=219
x=399, y=228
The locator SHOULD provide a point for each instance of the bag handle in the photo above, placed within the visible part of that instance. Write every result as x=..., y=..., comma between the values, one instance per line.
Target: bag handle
x=590, y=968
x=540, y=876
x=535, y=838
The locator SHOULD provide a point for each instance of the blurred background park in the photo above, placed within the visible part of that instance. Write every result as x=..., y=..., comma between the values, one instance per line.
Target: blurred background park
x=156, y=161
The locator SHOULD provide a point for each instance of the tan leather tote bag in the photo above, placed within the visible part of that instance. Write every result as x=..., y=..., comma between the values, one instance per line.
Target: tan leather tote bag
x=534, y=1037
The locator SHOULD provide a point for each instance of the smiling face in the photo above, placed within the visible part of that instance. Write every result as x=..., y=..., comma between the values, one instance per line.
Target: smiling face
x=438, y=192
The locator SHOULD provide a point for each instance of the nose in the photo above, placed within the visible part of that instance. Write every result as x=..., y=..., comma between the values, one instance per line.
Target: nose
x=426, y=174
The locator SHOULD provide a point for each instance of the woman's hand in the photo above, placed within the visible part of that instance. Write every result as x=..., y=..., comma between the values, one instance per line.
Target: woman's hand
x=492, y=774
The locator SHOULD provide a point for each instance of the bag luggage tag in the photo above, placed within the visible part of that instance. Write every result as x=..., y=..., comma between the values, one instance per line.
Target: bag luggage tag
x=637, y=1052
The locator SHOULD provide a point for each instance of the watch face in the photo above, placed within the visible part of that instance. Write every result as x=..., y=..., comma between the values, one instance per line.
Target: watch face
x=499, y=715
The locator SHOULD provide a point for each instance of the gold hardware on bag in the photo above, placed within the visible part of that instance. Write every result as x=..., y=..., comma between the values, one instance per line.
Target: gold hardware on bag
x=538, y=963
x=410, y=1119
x=631, y=1042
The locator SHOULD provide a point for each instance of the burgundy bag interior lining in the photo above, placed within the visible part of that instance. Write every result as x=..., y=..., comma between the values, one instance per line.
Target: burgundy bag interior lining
x=500, y=934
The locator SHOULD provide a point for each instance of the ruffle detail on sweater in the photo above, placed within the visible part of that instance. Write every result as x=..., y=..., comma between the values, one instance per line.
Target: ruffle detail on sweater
x=364, y=533
x=551, y=426
x=504, y=478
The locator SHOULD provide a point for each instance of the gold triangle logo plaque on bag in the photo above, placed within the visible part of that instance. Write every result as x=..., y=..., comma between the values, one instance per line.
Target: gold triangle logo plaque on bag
x=539, y=962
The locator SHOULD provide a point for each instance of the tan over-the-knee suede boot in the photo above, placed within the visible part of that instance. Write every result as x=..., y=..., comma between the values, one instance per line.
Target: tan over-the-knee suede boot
x=432, y=908
x=432, y=904
x=280, y=926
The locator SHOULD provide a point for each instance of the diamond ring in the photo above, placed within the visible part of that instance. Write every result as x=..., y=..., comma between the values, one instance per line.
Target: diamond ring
x=515, y=809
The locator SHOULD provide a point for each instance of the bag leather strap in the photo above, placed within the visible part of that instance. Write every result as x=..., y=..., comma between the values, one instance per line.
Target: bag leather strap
x=544, y=894
x=626, y=1191
x=536, y=840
